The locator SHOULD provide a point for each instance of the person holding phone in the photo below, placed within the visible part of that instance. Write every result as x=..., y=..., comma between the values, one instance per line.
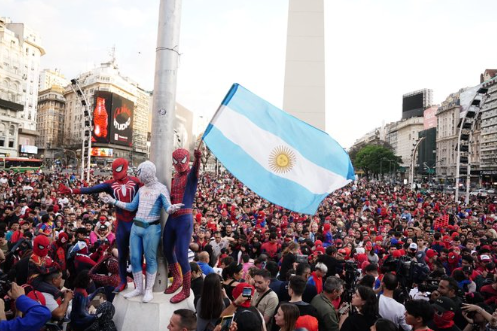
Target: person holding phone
x=211, y=303
x=245, y=316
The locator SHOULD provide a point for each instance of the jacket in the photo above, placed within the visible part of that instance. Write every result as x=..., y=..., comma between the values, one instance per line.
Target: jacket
x=326, y=311
x=35, y=316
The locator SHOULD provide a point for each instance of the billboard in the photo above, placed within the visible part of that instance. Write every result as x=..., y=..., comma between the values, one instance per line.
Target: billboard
x=121, y=126
x=112, y=119
x=102, y=152
x=28, y=149
x=412, y=102
x=430, y=118
x=101, y=117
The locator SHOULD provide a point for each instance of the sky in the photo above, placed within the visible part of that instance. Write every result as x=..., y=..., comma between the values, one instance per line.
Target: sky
x=376, y=50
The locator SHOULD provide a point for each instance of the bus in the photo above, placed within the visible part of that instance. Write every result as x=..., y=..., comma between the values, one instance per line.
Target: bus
x=20, y=164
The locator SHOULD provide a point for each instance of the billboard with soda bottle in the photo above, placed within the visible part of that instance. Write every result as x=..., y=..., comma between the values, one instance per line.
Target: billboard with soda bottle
x=101, y=117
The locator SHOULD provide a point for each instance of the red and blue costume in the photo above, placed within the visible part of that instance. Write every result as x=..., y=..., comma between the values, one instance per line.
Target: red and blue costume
x=122, y=188
x=179, y=226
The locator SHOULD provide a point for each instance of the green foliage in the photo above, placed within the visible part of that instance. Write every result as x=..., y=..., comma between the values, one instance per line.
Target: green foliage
x=374, y=159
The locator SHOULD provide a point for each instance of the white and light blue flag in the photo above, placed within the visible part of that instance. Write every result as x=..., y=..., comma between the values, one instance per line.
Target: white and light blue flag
x=284, y=160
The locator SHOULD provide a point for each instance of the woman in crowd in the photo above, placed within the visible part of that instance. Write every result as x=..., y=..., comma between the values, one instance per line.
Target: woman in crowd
x=211, y=304
x=286, y=316
x=197, y=281
x=231, y=275
x=365, y=302
x=289, y=259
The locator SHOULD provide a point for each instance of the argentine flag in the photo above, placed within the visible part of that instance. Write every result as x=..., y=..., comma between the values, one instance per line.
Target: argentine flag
x=284, y=160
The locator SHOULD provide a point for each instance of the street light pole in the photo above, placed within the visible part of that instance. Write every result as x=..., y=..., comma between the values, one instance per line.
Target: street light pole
x=413, y=156
x=164, y=101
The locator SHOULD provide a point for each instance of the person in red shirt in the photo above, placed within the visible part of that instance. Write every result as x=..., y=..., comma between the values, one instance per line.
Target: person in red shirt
x=271, y=247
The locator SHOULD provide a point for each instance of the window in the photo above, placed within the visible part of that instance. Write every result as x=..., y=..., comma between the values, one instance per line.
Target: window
x=2, y=135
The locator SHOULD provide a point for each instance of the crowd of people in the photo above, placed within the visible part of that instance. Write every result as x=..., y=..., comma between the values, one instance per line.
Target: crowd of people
x=376, y=256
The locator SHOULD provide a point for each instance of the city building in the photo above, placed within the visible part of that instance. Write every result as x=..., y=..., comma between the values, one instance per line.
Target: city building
x=448, y=115
x=407, y=132
x=50, y=123
x=304, y=92
x=20, y=51
x=49, y=78
x=106, y=80
x=127, y=111
x=488, y=140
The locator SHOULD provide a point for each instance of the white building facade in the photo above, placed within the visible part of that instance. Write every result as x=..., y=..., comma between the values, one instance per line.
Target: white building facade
x=20, y=53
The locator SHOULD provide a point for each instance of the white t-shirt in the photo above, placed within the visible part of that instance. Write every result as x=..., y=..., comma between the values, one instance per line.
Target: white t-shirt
x=51, y=303
x=391, y=310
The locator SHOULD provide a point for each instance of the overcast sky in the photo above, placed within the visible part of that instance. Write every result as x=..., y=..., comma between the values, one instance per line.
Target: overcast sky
x=376, y=50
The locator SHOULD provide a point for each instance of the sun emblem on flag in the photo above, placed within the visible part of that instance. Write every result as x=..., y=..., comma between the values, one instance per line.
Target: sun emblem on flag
x=282, y=159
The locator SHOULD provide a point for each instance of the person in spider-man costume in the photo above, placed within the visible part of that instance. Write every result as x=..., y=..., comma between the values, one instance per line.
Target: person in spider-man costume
x=179, y=226
x=122, y=188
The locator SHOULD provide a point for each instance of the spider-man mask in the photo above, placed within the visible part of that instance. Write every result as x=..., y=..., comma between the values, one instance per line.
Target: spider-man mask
x=41, y=245
x=181, y=160
x=119, y=168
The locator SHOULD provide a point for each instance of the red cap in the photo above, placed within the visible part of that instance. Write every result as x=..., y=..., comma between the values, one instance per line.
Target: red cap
x=379, y=238
x=430, y=253
x=237, y=291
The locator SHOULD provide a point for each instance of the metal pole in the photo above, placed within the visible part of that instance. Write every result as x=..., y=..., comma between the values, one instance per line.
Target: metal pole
x=413, y=157
x=164, y=101
x=82, y=157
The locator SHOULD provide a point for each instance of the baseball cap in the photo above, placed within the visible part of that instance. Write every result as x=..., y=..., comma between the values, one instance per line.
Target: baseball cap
x=430, y=253
x=237, y=291
x=444, y=304
x=413, y=246
x=485, y=258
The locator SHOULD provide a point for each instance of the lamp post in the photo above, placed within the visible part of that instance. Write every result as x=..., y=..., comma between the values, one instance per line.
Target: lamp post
x=413, y=156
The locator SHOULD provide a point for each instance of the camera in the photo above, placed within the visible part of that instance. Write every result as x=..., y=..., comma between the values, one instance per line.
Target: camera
x=300, y=258
x=5, y=284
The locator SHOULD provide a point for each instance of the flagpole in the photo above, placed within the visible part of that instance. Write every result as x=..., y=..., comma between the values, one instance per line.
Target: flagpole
x=164, y=101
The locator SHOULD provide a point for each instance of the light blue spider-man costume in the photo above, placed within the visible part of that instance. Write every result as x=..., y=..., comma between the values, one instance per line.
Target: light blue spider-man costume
x=123, y=188
x=146, y=229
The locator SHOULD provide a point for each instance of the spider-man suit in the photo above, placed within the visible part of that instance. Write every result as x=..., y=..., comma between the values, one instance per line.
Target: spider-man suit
x=146, y=231
x=179, y=226
x=123, y=188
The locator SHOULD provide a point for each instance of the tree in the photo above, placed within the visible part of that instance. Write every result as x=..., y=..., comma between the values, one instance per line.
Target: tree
x=374, y=159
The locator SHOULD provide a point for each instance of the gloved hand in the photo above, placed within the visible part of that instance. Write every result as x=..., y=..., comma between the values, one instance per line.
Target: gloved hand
x=64, y=189
x=197, y=153
x=105, y=198
x=174, y=208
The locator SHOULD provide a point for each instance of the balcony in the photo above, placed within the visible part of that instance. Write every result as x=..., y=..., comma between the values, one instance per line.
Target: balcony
x=5, y=104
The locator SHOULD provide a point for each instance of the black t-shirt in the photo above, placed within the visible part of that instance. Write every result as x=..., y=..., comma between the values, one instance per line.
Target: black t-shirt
x=287, y=264
x=331, y=263
x=357, y=322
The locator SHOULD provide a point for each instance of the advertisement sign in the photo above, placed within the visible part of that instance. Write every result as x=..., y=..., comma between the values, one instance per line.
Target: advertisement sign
x=29, y=149
x=121, y=121
x=430, y=118
x=101, y=117
x=102, y=152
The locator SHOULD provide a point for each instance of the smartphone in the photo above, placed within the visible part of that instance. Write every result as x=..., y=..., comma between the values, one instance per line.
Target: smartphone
x=226, y=322
x=247, y=292
x=344, y=309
